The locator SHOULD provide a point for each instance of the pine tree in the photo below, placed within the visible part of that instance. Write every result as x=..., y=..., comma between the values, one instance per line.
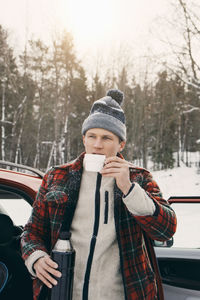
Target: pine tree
x=164, y=123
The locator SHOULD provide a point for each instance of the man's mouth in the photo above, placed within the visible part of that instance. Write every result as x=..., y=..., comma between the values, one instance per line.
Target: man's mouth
x=98, y=153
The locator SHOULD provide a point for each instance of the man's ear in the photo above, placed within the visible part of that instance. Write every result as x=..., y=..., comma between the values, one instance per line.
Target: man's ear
x=122, y=145
x=83, y=137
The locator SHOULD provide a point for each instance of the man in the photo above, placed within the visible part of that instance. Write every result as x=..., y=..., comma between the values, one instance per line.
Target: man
x=114, y=216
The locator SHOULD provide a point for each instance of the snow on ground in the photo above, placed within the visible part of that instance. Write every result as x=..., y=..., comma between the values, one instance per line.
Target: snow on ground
x=182, y=181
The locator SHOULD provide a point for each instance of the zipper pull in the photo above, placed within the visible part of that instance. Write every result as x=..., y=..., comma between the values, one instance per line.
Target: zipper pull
x=106, y=207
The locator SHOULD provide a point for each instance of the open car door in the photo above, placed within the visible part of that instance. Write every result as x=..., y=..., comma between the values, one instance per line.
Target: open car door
x=179, y=258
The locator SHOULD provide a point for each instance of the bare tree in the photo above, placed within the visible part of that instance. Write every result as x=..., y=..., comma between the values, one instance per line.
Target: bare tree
x=3, y=124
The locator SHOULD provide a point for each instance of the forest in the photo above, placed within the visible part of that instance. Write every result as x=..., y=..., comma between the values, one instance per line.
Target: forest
x=45, y=95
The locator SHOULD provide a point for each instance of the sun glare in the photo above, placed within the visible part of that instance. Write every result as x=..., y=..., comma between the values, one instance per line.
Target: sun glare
x=104, y=25
x=88, y=18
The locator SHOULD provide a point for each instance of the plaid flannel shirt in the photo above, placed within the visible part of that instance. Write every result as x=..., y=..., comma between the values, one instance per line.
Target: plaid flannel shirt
x=58, y=195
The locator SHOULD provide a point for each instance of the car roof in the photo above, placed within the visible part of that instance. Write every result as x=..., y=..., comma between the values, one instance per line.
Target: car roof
x=19, y=181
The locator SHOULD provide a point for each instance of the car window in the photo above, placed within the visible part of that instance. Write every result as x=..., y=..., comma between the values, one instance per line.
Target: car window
x=188, y=224
x=16, y=207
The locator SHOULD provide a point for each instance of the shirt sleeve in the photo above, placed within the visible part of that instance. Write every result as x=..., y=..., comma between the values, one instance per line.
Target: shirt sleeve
x=36, y=228
x=138, y=202
x=161, y=223
x=29, y=262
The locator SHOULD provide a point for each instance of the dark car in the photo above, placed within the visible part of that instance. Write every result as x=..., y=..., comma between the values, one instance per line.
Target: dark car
x=178, y=258
x=17, y=193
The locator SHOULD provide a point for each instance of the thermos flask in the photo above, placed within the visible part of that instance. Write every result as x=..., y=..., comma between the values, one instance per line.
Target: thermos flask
x=64, y=255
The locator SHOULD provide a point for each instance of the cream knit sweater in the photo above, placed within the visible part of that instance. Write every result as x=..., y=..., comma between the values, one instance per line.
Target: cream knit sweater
x=105, y=277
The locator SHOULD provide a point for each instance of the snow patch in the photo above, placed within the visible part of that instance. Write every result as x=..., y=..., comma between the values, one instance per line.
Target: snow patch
x=182, y=181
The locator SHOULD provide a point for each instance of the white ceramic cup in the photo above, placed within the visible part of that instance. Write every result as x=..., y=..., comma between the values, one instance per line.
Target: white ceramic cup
x=94, y=162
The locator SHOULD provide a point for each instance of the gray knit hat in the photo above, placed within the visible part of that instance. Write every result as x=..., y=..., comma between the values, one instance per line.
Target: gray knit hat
x=107, y=113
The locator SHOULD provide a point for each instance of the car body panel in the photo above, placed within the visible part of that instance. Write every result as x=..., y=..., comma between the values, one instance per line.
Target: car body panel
x=184, y=199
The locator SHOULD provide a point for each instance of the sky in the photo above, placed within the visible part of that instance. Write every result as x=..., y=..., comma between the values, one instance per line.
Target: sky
x=97, y=26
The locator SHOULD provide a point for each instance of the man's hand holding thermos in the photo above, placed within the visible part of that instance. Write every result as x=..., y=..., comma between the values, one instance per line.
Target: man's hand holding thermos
x=57, y=273
x=44, y=268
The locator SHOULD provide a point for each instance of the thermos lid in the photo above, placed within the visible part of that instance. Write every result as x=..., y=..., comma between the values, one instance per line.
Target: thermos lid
x=65, y=235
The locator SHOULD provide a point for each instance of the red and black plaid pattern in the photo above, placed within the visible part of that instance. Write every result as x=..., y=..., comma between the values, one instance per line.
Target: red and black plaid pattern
x=59, y=193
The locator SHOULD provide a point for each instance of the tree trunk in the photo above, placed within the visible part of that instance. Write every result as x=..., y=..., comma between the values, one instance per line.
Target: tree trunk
x=3, y=125
x=51, y=155
x=37, y=156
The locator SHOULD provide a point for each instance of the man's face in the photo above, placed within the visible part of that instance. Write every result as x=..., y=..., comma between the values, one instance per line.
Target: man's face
x=101, y=141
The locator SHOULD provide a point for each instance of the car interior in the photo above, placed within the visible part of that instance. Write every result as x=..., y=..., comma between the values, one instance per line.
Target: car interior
x=11, y=262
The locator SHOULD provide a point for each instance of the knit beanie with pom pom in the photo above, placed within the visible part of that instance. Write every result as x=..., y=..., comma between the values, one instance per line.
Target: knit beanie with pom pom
x=107, y=113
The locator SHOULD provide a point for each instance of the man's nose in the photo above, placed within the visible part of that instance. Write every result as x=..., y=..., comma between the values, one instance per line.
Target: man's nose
x=98, y=143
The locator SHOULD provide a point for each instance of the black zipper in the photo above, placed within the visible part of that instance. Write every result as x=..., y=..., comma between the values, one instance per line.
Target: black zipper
x=106, y=208
x=117, y=208
x=93, y=239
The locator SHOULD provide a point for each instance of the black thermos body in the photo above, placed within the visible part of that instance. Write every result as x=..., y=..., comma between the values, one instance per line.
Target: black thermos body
x=64, y=255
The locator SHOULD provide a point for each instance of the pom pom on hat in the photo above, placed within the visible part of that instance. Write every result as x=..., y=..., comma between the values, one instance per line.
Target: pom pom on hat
x=117, y=95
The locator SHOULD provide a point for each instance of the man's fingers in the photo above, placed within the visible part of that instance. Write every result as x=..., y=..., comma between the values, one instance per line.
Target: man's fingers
x=45, y=267
x=53, y=271
x=51, y=267
x=50, y=262
x=45, y=281
x=110, y=170
x=117, y=160
x=115, y=165
x=48, y=277
x=113, y=158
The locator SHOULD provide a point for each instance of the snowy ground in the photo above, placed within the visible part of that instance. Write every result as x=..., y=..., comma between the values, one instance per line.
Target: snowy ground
x=182, y=181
